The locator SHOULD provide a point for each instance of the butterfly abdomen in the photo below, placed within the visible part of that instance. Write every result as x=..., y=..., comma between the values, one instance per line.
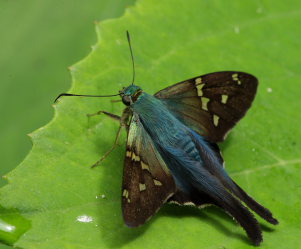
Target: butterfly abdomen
x=189, y=148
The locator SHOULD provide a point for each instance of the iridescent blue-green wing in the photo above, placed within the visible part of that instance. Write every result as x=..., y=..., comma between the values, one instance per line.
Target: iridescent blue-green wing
x=195, y=198
x=147, y=182
x=213, y=103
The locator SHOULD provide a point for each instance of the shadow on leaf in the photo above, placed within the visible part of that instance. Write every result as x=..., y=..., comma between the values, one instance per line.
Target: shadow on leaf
x=212, y=216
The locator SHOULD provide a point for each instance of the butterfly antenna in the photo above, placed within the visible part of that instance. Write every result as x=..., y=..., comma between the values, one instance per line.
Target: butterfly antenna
x=80, y=95
x=100, y=96
x=132, y=56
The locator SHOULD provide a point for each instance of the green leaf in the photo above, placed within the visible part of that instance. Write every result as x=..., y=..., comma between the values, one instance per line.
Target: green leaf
x=71, y=206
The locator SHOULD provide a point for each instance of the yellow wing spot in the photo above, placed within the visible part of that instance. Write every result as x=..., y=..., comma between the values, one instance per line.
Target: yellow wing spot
x=215, y=120
x=235, y=78
x=142, y=187
x=135, y=157
x=224, y=99
x=128, y=153
x=157, y=183
x=205, y=103
x=200, y=89
x=189, y=203
x=130, y=139
x=125, y=193
x=198, y=81
x=144, y=166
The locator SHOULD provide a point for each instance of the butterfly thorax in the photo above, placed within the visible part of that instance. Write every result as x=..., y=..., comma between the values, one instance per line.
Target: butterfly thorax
x=130, y=94
x=165, y=129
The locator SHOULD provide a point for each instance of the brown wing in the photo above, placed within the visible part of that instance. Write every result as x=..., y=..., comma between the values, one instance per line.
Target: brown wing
x=213, y=103
x=147, y=182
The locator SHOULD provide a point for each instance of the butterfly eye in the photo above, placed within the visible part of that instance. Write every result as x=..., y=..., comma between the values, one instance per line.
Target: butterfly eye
x=126, y=99
x=122, y=90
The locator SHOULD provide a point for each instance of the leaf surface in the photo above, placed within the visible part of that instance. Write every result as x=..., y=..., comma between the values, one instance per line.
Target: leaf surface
x=71, y=206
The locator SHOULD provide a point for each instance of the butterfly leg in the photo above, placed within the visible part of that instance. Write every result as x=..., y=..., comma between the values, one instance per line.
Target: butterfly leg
x=111, y=115
x=124, y=119
x=110, y=150
x=115, y=100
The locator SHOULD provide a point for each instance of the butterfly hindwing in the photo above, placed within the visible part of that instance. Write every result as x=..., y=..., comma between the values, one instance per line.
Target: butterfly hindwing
x=213, y=103
x=147, y=182
x=194, y=198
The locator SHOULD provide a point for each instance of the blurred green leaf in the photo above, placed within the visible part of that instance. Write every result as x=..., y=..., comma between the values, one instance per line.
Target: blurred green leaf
x=72, y=206
x=12, y=226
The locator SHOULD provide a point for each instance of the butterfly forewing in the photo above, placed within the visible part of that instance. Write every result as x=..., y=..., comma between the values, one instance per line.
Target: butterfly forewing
x=147, y=182
x=213, y=103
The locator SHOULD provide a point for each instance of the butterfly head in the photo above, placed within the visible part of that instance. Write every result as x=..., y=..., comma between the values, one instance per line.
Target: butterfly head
x=130, y=94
